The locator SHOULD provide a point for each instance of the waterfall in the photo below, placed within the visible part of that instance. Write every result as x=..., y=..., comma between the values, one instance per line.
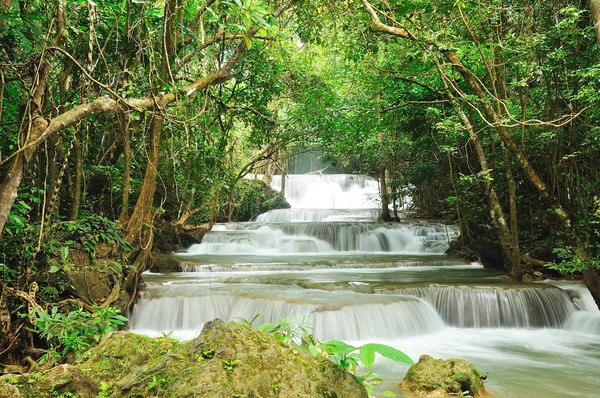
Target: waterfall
x=327, y=263
x=347, y=315
x=329, y=191
x=324, y=237
x=314, y=215
x=496, y=307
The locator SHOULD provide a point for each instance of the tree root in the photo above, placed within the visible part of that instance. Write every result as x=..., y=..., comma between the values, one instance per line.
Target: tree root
x=527, y=259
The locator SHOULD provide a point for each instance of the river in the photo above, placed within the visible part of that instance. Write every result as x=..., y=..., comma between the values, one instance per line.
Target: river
x=328, y=263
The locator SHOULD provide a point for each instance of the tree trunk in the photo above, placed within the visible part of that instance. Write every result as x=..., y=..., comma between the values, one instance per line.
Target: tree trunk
x=284, y=172
x=592, y=281
x=124, y=216
x=515, y=259
x=16, y=169
x=78, y=181
x=495, y=208
x=139, y=233
x=139, y=229
x=385, y=203
x=595, y=11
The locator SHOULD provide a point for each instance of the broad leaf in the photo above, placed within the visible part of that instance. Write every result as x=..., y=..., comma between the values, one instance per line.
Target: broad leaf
x=391, y=353
x=367, y=355
x=337, y=347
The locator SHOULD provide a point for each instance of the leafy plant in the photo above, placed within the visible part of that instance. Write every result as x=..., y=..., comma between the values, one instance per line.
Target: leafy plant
x=229, y=365
x=299, y=333
x=350, y=357
x=90, y=229
x=73, y=332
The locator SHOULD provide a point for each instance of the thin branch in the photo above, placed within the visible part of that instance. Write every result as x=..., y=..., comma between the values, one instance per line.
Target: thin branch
x=405, y=104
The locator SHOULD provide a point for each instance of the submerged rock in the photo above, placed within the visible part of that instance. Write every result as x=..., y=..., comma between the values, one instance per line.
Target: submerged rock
x=437, y=378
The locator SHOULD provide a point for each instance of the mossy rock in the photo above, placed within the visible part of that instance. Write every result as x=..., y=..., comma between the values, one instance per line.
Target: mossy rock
x=433, y=378
x=60, y=381
x=163, y=263
x=226, y=360
x=8, y=390
x=121, y=352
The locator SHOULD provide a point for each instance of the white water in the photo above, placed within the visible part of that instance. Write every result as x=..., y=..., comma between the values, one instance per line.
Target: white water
x=356, y=280
x=481, y=307
x=313, y=215
x=324, y=238
x=329, y=191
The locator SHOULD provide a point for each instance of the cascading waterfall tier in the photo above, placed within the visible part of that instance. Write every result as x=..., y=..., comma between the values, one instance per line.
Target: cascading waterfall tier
x=327, y=265
x=324, y=238
x=495, y=306
x=345, y=315
x=315, y=215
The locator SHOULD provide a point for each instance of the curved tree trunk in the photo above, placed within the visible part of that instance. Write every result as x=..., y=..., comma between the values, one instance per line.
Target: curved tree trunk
x=139, y=232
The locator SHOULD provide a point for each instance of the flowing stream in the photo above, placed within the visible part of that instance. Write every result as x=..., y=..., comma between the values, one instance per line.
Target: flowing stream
x=328, y=262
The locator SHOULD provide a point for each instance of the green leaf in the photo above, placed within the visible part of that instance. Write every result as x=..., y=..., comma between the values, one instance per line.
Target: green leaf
x=367, y=355
x=54, y=269
x=248, y=41
x=338, y=347
x=391, y=353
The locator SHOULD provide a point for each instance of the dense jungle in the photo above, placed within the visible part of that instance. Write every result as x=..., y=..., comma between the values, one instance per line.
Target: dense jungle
x=381, y=170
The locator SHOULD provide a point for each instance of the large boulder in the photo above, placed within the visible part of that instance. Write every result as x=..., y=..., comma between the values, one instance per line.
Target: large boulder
x=60, y=381
x=226, y=360
x=164, y=263
x=437, y=378
x=8, y=390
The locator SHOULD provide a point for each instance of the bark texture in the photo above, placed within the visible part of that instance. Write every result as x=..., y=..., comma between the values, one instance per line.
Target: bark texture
x=595, y=11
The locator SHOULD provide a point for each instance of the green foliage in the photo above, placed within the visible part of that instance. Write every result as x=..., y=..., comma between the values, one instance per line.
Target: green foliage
x=350, y=357
x=90, y=229
x=229, y=365
x=72, y=332
x=253, y=197
x=569, y=261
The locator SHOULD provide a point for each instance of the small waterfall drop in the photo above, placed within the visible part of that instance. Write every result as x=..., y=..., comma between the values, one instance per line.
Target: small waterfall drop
x=332, y=315
x=481, y=307
x=314, y=215
x=324, y=238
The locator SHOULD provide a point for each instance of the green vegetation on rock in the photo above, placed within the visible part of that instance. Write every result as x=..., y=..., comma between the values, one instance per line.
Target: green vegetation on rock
x=438, y=378
x=226, y=360
x=253, y=197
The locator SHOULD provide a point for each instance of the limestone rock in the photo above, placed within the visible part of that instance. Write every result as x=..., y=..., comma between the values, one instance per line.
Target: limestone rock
x=8, y=390
x=226, y=360
x=437, y=378
x=164, y=263
x=60, y=381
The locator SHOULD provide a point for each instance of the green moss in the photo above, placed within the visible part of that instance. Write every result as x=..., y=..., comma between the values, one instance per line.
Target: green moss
x=453, y=376
x=225, y=360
